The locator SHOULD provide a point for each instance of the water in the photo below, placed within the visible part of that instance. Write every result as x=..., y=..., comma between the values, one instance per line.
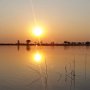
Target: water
x=60, y=68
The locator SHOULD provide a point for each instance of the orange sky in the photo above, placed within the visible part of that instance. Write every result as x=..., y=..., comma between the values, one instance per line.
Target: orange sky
x=62, y=20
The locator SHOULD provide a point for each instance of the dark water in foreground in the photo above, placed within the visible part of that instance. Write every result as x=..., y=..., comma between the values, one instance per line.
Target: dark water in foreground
x=60, y=68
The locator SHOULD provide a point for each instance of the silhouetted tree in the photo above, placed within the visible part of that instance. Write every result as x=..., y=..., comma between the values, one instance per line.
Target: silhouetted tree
x=41, y=42
x=28, y=42
x=18, y=42
x=87, y=43
x=73, y=43
x=52, y=43
x=79, y=43
x=66, y=42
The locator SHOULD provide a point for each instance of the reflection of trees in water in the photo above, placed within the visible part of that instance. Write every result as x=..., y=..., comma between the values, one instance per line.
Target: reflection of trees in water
x=70, y=73
x=18, y=47
x=28, y=48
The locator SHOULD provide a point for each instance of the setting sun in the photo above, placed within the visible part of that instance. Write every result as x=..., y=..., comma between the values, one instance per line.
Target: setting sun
x=37, y=31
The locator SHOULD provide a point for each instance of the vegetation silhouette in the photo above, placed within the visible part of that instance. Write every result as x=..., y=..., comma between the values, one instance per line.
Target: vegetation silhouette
x=29, y=43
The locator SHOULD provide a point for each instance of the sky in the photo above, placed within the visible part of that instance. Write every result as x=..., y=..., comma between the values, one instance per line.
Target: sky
x=61, y=19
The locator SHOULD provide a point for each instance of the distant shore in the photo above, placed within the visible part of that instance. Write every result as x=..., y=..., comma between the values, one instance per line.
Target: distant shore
x=23, y=44
x=30, y=43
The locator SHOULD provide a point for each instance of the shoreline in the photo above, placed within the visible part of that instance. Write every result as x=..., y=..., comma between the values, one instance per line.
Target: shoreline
x=10, y=44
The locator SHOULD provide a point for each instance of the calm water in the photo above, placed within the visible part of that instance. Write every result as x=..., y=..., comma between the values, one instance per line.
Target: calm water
x=60, y=68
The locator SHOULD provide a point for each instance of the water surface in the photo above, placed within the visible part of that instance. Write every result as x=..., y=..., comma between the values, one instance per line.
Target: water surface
x=61, y=68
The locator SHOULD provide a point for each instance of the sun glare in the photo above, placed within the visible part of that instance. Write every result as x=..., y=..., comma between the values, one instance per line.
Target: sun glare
x=37, y=31
x=38, y=57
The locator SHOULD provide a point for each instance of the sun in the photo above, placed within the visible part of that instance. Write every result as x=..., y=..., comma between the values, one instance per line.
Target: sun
x=37, y=31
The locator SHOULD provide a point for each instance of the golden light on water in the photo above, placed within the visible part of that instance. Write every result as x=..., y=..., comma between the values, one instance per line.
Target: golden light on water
x=38, y=57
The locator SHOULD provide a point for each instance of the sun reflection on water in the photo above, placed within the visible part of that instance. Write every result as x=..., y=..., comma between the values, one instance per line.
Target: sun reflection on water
x=38, y=57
